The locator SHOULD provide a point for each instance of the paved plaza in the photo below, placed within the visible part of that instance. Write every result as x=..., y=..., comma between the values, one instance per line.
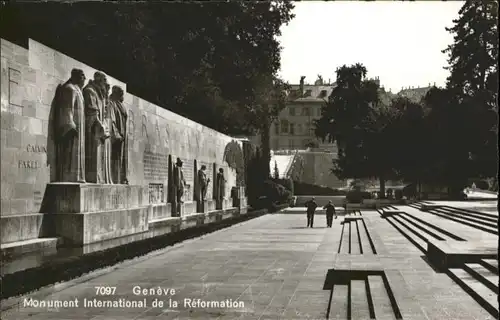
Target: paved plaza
x=272, y=267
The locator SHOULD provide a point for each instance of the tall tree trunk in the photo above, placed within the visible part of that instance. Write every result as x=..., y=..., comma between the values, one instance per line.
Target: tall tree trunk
x=266, y=149
x=382, y=188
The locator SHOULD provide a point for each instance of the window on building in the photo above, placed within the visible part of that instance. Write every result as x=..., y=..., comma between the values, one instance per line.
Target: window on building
x=292, y=128
x=292, y=111
x=284, y=126
x=322, y=94
x=308, y=93
x=299, y=128
x=290, y=144
x=318, y=112
x=308, y=128
x=276, y=128
x=305, y=111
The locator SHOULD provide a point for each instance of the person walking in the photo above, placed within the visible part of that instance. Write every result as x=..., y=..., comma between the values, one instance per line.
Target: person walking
x=330, y=211
x=311, y=208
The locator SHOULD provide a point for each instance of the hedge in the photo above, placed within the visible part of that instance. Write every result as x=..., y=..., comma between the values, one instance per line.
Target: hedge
x=306, y=189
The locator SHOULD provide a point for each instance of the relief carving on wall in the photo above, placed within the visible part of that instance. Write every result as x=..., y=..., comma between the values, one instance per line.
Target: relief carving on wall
x=167, y=137
x=131, y=123
x=157, y=127
x=145, y=133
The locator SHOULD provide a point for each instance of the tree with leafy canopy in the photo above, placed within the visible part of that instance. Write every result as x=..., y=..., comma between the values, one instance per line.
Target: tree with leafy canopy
x=409, y=144
x=356, y=120
x=473, y=85
x=202, y=60
x=270, y=99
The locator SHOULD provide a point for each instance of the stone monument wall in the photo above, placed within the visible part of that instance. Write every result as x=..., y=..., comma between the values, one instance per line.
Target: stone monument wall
x=29, y=78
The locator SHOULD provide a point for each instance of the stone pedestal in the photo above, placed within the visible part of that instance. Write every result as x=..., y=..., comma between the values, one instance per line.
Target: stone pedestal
x=88, y=213
x=64, y=197
x=206, y=206
x=227, y=203
x=210, y=205
x=189, y=207
x=241, y=204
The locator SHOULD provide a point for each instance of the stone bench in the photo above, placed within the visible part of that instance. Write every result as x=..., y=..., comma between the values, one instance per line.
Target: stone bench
x=428, y=207
x=453, y=254
x=389, y=211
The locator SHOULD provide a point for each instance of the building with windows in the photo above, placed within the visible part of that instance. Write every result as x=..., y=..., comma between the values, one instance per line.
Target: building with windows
x=293, y=132
x=294, y=128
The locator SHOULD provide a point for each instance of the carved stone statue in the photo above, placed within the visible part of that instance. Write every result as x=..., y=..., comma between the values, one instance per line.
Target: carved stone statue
x=220, y=188
x=203, y=183
x=69, y=129
x=179, y=181
x=119, y=140
x=95, y=130
x=106, y=154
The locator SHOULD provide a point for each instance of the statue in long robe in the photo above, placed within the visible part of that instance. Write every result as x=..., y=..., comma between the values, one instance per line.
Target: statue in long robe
x=68, y=129
x=220, y=188
x=95, y=131
x=179, y=182
x=106, y=154
x=119, y=139
x=203, y=182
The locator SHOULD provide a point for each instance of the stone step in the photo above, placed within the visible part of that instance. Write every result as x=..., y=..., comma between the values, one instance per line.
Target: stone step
x=339, y=302
x=359, y=300
x=16, y=248
x=344, y=241
x=408, y=234
x=432, y=226
x=483, y=275
x=491, y=265
x=419, y=233
x=478, y=291
x=490, y=215
x=467, y=217
x=476, y=215
x=355, y=245
x=465, y=222
x=364, y=239
x=420, y=226
x=381, y=302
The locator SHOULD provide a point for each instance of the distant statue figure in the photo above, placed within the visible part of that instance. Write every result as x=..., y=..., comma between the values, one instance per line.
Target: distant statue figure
x=301, y=86
x=95, y=130
x=319, y=82
x=119, y=140
x=203, y=182
x=302, y=80
x=179, y=181
x=69, y=129
x=220, y=187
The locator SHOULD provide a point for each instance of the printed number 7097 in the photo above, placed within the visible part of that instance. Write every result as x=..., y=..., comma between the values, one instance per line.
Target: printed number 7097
x=105, y=291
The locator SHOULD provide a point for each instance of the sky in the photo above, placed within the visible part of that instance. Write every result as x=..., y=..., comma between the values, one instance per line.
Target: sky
x=400, y=42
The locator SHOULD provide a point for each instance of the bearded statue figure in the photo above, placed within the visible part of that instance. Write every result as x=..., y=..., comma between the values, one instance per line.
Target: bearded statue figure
x=96, y=129
x=119, y=140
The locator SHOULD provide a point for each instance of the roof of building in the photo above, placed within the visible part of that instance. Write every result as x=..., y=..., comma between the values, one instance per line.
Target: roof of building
x=414, y=94
x=312, y=93
x=321, y=92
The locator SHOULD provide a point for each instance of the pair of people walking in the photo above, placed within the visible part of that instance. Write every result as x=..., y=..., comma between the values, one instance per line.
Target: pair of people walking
x=311, y=206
